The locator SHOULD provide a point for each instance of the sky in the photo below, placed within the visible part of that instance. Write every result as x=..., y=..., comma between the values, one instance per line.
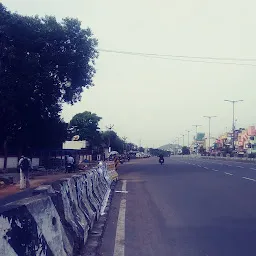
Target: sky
x=155, y=100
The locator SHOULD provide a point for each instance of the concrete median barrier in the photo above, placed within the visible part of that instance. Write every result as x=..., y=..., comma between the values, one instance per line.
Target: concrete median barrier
x=58, y=218
x=235, y=159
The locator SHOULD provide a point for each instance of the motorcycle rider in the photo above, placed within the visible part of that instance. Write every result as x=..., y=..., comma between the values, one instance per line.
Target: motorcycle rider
x=70, y=161
x=161, y=158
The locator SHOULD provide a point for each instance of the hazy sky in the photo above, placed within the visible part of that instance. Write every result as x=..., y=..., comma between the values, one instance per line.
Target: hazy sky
x=156, y=100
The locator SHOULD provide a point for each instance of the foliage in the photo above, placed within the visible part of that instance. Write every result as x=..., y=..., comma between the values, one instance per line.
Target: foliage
x=86, y=124
x=110, y=138
x=157, y=152
x=131, y=146
x=43, y=63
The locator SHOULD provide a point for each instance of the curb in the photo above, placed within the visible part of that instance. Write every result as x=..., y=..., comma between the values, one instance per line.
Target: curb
x=95, y=236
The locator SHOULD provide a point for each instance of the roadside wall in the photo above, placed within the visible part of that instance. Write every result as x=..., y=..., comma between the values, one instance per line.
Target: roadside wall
x=12, y=162
x=57, y=219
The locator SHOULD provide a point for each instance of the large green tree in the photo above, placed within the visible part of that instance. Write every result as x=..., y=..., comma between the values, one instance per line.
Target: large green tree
x=86, y=124
x=110, y=138
x=43, y=63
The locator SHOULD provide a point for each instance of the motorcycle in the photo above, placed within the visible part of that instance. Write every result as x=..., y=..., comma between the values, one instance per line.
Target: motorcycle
x=121, y=160
x=161, y=161
x=69, y=168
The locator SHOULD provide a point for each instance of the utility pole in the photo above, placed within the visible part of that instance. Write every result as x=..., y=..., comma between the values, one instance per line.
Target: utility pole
x=183, y=139
x=178, y=147
x=233, y=123
x=178, y=139
x=209, y=117
x=196, y=125
x=188, y=137
x=110, y=127
x=124, y=139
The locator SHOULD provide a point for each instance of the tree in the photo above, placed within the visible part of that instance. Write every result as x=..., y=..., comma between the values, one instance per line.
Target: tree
x=157, y=152
x=110, y=138
x=130, y=146
x=43, y=63
x=86, y=124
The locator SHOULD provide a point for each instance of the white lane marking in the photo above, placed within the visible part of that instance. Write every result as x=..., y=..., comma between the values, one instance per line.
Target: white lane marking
x=215, y=170
x=193, y=164
x=240, y=167
x=206, y=168
x=228, y=173
x=120, y=228
x=253, y=169
x=121, y=191
x=246, y=178
x=104, y=204
x=229, y=165
x=199, y=165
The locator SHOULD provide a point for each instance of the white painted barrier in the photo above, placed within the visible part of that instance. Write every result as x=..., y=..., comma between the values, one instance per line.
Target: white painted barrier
x=58, y=219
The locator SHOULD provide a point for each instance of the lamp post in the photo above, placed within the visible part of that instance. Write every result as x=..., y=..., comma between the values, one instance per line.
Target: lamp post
x=233, y=123
x=209, y=117
x=124, y=148
x=196, y=125
x=188, y=136
x=183, y=139
x=110, y=127
x=178, y=140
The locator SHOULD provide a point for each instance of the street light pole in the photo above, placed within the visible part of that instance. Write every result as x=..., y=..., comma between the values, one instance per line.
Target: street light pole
x=183, y=139
x=124, y=139
x=178, y=139
x=188, y=136
x=209, y=117
x=233, y=123
x=110, y=127
x=196, y=125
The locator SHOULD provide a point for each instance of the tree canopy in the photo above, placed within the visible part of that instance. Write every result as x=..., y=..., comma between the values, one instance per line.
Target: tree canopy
x=43, y=63
x=110, y=138
x=157, y=152
x=86, y=124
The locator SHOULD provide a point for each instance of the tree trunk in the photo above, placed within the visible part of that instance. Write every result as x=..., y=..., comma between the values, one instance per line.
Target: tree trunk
x=5, y=154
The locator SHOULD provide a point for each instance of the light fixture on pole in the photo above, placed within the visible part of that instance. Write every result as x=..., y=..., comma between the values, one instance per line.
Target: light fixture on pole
x=233, y=123
x=110, y=127
x=209, y=117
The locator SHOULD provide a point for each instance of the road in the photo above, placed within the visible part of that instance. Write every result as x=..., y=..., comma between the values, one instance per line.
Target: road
x=187, y=207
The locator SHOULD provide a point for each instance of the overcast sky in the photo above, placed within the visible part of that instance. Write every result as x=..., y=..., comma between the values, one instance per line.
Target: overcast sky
x=156, y=100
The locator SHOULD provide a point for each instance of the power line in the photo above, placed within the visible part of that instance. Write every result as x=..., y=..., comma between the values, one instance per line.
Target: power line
x=178, y=56
x=183, y=58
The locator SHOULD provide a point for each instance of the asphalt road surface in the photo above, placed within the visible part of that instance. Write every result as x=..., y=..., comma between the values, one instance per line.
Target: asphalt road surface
x=186, y=207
